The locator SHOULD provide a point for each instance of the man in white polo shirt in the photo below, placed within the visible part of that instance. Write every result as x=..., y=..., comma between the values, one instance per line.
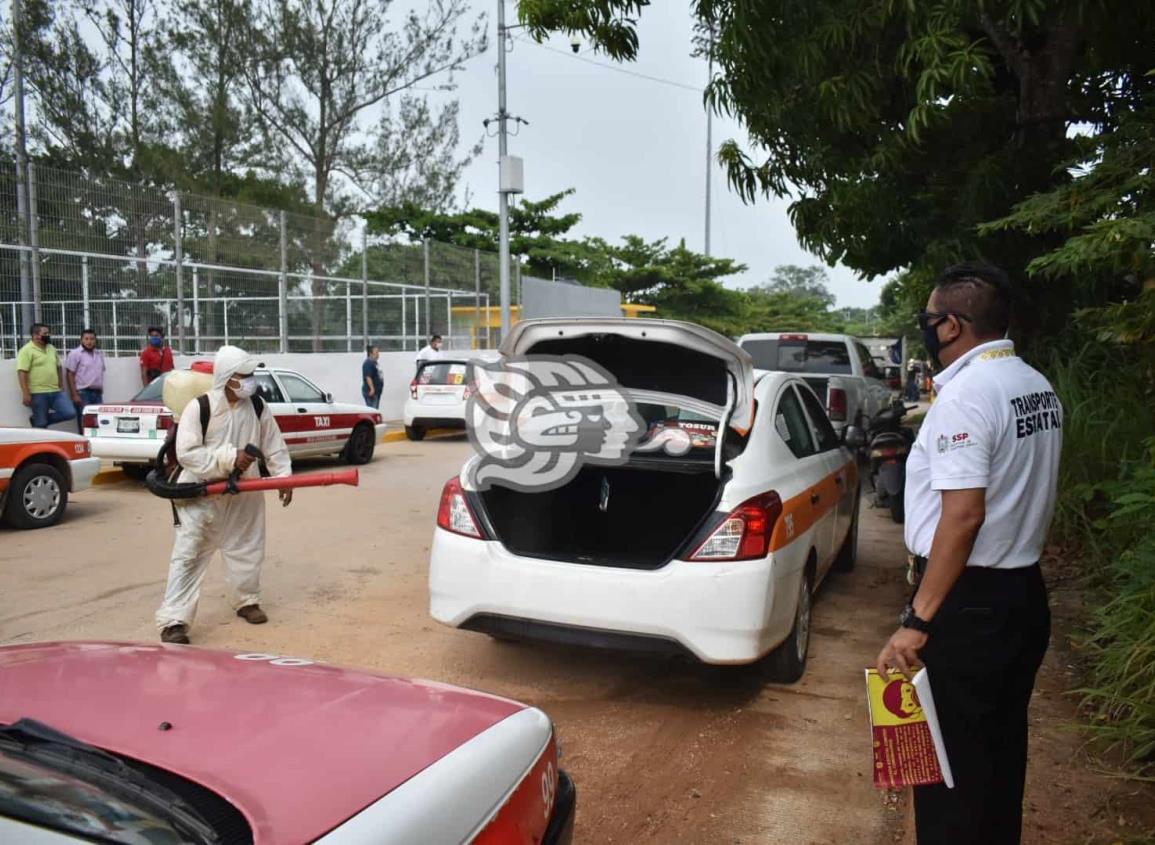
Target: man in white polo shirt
x=980, y=495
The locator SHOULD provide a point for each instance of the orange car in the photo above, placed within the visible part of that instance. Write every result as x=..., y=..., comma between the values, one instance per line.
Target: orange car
x=38, y=469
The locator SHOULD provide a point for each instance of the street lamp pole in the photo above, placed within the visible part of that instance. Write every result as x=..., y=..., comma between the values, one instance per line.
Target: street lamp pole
x=503, y=195
x=709, y=142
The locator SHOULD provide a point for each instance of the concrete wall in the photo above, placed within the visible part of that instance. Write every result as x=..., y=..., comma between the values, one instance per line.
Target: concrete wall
x=339, y=373
x=540, y=298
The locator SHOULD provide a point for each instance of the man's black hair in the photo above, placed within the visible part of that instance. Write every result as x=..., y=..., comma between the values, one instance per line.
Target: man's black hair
x=36, y=327
x=83, y=332
x=435, y=337
x=979, y=290
x=369, y=349
x=156, y=329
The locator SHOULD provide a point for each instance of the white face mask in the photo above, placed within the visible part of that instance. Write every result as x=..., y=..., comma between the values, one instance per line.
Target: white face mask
x=246, y=387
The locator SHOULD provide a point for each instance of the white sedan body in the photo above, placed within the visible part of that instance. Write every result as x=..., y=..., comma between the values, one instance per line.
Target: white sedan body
x=438, y=393
x=312, y=423
x=720, y=610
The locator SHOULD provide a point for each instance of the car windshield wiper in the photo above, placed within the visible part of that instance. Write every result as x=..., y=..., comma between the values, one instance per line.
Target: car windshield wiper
x=45, y=744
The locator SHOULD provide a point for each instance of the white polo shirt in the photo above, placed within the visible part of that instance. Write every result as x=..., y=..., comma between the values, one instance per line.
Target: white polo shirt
x=428, y=353
x=996, y=424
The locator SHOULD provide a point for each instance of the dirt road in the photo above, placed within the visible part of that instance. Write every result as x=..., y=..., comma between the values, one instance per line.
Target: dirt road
x=661, y=751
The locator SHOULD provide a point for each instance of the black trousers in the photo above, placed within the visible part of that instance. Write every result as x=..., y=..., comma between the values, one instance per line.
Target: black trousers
x=984, y=649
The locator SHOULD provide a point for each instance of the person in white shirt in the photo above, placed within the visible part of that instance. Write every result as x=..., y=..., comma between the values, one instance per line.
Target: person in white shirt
x=981, y=485
x=430, y=351
x=232, y=524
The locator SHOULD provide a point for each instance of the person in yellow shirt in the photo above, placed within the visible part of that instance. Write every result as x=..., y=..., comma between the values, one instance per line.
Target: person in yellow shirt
x=38, y=368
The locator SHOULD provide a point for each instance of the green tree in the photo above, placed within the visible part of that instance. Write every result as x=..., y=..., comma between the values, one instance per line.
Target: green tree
x=811, y=282
x=898, y=128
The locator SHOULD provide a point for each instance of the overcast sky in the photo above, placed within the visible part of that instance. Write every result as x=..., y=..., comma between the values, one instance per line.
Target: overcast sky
x=634, y=149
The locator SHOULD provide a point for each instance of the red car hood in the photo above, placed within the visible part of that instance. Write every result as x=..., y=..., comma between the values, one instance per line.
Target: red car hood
x=297, y=748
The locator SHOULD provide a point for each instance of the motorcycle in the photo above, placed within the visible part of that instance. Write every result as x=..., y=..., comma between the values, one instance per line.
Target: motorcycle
x=890, y=443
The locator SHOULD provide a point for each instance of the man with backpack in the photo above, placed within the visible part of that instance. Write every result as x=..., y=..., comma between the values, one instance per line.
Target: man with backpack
x=211, y=437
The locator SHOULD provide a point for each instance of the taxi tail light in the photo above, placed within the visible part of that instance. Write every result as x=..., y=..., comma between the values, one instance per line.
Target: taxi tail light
x=90, y=421
x=164, y=422
x=454, y=513
x=836, y=404
x=745, y=532
x=527, y=812
x=413, y=389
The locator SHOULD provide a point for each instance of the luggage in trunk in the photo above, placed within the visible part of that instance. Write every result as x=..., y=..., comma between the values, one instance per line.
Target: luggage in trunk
x=606, y=516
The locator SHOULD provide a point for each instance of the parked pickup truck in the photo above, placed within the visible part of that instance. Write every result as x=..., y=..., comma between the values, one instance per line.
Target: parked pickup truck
x=838, y=367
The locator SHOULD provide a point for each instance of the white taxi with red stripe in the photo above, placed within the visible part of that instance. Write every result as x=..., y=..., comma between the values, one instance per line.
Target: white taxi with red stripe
x=131, y=433
x=38, y=469
x=713, y=549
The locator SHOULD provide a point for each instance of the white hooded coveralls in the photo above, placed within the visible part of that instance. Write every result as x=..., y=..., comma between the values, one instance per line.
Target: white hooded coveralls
x=234, y=524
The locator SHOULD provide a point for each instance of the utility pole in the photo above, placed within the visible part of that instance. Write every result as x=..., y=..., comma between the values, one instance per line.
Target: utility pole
x=27, y=310
x=709, y=141
x=510, y=174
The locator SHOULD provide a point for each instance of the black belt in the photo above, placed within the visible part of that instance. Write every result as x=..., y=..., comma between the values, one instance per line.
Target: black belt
x=916, y=568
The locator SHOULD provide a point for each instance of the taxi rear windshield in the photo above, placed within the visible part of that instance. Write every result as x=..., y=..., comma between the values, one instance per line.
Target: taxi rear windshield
x=800, y=355
x=442, y=372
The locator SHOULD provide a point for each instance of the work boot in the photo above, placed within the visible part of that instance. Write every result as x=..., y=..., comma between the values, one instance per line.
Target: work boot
x=253, y=614
x=175, y=634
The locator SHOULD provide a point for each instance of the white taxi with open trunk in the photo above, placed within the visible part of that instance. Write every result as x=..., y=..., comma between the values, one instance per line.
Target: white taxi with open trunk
x=716, y=552
x=131, y=433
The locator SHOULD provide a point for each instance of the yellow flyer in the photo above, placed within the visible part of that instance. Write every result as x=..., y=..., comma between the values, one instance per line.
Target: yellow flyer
x=908, y=748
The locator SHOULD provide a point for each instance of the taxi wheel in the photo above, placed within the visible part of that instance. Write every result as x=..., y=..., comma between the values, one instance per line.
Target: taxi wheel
x=362, y=442
x=414, y=432
x=787, y=662
x=848, y=554
x=37, y=497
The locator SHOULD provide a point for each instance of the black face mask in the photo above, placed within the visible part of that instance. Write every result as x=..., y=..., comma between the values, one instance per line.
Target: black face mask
x=45, y=339
x=928, y=322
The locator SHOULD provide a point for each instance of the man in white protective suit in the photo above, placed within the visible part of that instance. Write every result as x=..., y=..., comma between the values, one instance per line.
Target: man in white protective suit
x=234, y=524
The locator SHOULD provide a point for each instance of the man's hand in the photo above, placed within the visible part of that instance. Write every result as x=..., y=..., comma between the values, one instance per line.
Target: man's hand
x=27, y=400
x=244, y=460
x=901, y=652
x=286, y=497
x=75, y=398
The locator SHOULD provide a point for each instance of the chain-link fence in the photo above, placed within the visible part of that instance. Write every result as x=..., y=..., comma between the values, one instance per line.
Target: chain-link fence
x=120, y=257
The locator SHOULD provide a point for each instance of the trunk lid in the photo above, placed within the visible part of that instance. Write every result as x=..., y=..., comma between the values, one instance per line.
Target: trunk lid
x=652, y=358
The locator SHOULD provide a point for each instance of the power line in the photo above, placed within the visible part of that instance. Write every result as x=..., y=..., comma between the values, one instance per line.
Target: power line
x=614, y=68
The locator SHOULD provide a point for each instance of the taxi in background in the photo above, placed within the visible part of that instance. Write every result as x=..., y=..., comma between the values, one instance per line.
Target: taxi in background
x=39, y=467
x=131, y=433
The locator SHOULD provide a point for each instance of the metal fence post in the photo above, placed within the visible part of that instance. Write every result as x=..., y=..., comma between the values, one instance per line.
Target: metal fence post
x=365, y=285
x=84, y=292
x=34, y=240
x=283, y=290
x=449, y=316
x=404, y=328
x=196, y=312
x=178, y=254
x=115, y=331
x=428, y=322
x=477, y=299
x=348, y=316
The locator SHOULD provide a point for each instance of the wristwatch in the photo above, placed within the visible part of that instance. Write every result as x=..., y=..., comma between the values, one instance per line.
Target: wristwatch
x=909, y=619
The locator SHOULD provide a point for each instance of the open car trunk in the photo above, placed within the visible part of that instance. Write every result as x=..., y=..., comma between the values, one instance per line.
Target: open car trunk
x=626, y=516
